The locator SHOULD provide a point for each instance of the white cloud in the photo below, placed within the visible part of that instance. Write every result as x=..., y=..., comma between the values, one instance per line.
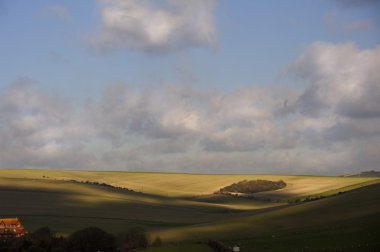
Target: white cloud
x=340, y=108
x=237, y=121
x=38, y=129
x=155, y=26
x=342, y=80
x=330, y=126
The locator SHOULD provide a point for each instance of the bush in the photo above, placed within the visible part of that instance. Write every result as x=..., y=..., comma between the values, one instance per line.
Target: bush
x=36, y=249
x=58, y=249
x=41, y=238
x=13, y=244
x=132, y=239
x=157, y=242
x=253, y=186
x=91, y=239
x=218, y=246
x=86, y=240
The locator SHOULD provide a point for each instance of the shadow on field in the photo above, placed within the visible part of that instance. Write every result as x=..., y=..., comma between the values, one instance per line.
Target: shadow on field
x=67, y=206
x=345, y=216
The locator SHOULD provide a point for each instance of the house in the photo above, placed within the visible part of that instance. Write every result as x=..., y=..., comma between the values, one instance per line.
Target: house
x=10, y=228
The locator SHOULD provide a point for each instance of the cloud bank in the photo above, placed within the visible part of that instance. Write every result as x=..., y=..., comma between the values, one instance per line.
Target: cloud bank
x=328, y=127
x=155, y=26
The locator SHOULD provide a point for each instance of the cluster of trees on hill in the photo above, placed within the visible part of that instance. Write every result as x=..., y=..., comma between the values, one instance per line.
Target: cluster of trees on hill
x=86, y=240
x=253, y=186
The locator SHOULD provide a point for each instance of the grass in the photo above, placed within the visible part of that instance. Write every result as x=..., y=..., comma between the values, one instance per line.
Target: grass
x=179, y=185
x=181, y=208
x=350, y=221
x=66, y=206
x=351, y=205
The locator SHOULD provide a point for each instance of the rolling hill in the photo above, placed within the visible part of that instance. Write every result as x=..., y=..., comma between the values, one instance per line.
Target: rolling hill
x=182, y=208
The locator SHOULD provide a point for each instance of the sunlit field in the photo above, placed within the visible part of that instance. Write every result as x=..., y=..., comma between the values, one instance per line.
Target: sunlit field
x=177, y=184
x=192, y=213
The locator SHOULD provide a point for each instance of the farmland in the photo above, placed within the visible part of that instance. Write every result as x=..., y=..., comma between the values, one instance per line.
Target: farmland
x=179, y=184
x=182, y=209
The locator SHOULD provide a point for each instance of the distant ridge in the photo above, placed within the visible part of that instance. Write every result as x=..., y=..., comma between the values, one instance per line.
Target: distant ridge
x=365, y=174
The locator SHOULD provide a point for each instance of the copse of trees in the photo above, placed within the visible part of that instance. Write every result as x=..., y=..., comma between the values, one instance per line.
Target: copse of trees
x=253, y=186
x=91, y=239
x=132, y=239
x=85, y=240
x=44, y=239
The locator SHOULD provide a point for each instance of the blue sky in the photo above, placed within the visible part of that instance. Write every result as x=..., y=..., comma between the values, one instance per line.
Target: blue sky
x=83, y=52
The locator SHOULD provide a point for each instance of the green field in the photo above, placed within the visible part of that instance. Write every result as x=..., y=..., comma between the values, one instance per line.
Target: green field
x=182, y=209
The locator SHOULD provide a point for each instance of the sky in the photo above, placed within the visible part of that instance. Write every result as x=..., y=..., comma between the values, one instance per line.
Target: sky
x=203, y=86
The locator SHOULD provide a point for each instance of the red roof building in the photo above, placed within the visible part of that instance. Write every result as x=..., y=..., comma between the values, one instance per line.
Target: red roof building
x=11, y=227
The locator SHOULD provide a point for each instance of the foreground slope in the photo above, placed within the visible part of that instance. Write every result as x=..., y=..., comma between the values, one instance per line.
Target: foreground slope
x=346, y=222
x=189, y=213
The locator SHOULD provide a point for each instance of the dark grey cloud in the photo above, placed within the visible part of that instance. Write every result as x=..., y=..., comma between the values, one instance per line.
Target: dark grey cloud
x=352, y=130
x=367, y=105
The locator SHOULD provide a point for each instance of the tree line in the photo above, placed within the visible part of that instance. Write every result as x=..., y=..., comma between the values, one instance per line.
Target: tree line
x=85, y=240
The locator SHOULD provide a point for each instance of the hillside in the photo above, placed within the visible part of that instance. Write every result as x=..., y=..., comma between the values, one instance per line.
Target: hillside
x=365, y=174
x=191, y=212
x=185, y=185
x=352, y=214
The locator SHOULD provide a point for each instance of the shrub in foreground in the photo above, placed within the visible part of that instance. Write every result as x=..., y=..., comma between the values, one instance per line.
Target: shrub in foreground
x=132, y=239
x=86, y=240
x=157, y=242
x=218, y=246
x=91, y=239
